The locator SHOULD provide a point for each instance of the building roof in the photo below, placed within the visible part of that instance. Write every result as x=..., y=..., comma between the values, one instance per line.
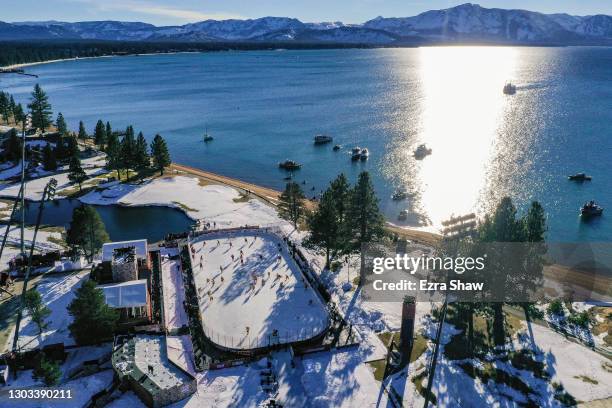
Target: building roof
x=145, y=358
x=140, y=245
x=125, y=294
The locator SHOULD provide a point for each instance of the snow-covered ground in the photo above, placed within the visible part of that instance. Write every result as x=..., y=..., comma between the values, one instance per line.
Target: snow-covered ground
x=212, y=203
x=14, y=239
x=35, y=187
x=264, y=291
x=57, y=292
x=93, y=166
x=82, y=389
x=175, y=316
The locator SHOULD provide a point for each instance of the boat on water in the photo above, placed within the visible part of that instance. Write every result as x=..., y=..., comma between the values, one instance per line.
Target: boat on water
x=579, y=177
x=322, y=139
x=356, y=153
x=337, y=147
x=403, y=215
x=207, y=136
x=422, y=151
x=591, y=209
x=509, y=88
x=399, y=195
x=364, y=154
x=289, y=165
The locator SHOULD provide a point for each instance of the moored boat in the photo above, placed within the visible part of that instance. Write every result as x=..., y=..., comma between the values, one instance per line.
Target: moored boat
x=364, y=154
x=403, y=215
x=207, y=136
x=591, y=209
x=289, y=165
x=356, y=153
x=579, y=177
x=322, y=139
x=422, y=151
x=399, y=195
x=337, y=147
x=509, y=88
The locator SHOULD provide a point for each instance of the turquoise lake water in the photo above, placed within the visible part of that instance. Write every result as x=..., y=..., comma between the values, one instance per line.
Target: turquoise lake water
x=263, y=107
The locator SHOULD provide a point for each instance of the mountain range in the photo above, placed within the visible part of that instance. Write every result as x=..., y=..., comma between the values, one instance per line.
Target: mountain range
x=463, y=23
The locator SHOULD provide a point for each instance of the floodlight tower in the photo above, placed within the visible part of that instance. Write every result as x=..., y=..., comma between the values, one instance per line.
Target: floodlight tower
x=48, y=195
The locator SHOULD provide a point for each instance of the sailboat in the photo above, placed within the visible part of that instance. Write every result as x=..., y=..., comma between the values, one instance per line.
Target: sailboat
x=207, y=137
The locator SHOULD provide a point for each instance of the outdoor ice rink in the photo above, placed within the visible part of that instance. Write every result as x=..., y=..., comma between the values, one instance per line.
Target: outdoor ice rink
x=256, y=299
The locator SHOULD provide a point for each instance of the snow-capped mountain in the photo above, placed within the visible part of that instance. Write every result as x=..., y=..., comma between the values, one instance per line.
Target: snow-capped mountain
x=470, y=21
x=466, y=22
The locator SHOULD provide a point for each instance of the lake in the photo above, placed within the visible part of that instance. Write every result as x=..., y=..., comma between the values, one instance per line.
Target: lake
x=122, y=223
x=263, y=107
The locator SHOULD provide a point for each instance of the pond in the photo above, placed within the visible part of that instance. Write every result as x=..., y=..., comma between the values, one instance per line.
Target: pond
x=122, y=223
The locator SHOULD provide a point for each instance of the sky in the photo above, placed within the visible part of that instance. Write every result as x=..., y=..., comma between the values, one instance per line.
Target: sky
x=165, y=12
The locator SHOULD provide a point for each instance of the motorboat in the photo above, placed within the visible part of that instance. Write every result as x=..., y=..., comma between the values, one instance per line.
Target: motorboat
x=289, y=165
x=403, y=215
x=337, y=147
x=356, y=153
x=591, y=209
x=364, y=154
x=399, y=195
x=422, y=151
x=322, y=139
x=509, y=88
x=579, y=177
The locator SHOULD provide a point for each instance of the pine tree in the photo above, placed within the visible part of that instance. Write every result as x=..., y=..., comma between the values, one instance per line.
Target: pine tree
x=502, y=227
x=12, y=105
x=128, y=148
x=49, y=158
x=113, y=153
x=40, y=109
x=160, y=154
x=291, y=203
x=109, y=130
x=60, y=124
x=323, y=227
x=76, y=174
x=100, y=134
x=328, y=224
x=142, y=160
x=48, y=371
x=93, y=320
x=13, y=147
x=18, y=114
x=4, y=106
x=37, y=310
x=367, y=222
x=82, y=132
x=86, y=231
x=72, y=147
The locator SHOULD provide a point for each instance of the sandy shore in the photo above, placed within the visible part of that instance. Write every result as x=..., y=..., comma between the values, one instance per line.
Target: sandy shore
x=271, y=196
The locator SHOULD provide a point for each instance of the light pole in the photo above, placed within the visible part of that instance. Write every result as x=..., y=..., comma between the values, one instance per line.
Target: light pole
x=48, y=195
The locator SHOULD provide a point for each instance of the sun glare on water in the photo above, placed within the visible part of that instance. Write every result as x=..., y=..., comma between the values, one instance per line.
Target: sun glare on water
x=461, y=112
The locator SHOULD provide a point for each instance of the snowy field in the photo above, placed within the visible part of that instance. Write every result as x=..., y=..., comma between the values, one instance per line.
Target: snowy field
x=213, y=203
x=175, y=316
x=57, y=292
x=263, y=291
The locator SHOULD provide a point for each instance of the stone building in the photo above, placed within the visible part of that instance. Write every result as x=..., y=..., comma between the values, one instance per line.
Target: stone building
x=142, y=363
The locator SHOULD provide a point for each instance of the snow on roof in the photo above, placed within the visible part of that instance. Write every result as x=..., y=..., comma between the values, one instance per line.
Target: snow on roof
x=109, y=248
x=126, y=294
x=145, y=359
